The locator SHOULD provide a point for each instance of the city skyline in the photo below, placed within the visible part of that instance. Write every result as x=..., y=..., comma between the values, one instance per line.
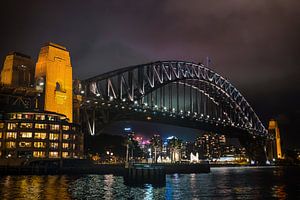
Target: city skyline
x=261, y=62
x=152, y=99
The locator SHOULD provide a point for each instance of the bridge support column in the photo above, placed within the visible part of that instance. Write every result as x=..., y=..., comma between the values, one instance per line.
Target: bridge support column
x=256, y=149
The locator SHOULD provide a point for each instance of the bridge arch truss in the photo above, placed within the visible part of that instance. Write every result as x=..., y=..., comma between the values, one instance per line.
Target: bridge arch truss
x=176, y=88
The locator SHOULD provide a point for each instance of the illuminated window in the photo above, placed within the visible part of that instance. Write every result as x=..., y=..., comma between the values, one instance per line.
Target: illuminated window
x=0, y=144
x=11, y=135
x=24, y=144
x=54, y=127
x=65, y=128
x=40, y=117
x=26, y=125
x=51, y=118
x=28, y=116
x=74, y=146
x=12, y=126
x=65, y=145
x=0, y=135
x=19, y=116
x=40, y=144
x=66, y=136
x=65, y=154
x=39, y=154
x=40, y=136
x=25, y=134
x=10, y=145
x=13, y=116
x=41, y=126
x=53, y=136
x=53, y=154
x=1, y=125
x=53, y=145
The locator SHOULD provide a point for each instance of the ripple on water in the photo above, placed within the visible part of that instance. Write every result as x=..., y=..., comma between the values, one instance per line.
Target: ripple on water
x=221, y=183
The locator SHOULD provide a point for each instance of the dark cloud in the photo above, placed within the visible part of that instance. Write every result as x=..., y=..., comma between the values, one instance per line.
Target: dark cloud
x=255, y=44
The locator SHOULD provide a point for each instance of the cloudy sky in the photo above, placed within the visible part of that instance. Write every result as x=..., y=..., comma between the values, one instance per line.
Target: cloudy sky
x=254, y=43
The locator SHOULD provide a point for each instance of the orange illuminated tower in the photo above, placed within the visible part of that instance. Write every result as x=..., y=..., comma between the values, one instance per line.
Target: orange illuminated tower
x=54, y=76
x=274, y=130
x=18, y=70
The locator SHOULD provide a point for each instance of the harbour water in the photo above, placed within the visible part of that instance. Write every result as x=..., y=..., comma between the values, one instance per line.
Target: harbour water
x=221, y=183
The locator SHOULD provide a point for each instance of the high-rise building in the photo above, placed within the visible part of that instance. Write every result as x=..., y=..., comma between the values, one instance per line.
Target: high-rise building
x=39, y=135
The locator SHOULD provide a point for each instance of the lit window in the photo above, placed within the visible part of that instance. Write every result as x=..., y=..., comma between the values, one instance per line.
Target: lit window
x=10, y=145
x=54, y=127
x=12, y=126
x=13, y=116
x=51, y=118
x=39, y=154
x=40, y=144
x=40, y=136
x=41, y=126
x=66, y=136
x=11, y=135
x=54, y=145
x=65, y=145
x=26, y=125
x=40, y=117
x=0, y=144
x=53, y=136
x=24, y=144
x=0, y=135
x=28, y=116
x=19, y=116
x=25, y=134
x=74, y=146
x=53, y=154
x=1, y=125
x=65, y=154
x=65, y=128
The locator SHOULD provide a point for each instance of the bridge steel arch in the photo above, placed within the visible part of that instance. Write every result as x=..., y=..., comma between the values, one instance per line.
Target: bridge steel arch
x=129, y=87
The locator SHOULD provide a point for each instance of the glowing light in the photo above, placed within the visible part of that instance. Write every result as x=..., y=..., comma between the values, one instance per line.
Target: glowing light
x=127, y=129
x=171, y=137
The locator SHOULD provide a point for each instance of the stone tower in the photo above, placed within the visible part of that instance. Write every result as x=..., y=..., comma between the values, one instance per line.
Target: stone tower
x=276, y=144
x=18, y=70
x=54, y=73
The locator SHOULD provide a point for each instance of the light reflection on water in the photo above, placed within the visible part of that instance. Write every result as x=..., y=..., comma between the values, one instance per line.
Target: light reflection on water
x=221, y=183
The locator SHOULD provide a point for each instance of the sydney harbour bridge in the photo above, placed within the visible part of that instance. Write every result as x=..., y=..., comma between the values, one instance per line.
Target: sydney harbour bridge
x=172, y=92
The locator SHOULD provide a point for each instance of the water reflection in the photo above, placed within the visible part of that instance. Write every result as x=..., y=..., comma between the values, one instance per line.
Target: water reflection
x=279, y=191
x=34, y=187
x=221, y=183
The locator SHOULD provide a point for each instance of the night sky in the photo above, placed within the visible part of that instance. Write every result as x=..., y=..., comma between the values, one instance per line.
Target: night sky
x=253, y=43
